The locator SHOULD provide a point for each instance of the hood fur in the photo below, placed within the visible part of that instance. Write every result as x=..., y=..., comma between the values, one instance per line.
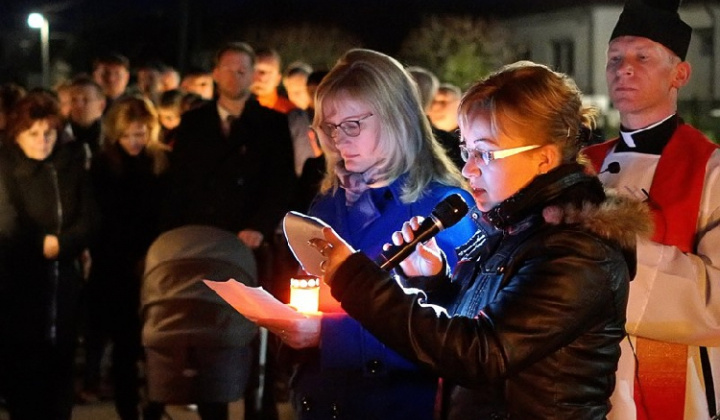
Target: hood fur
x=617, y=218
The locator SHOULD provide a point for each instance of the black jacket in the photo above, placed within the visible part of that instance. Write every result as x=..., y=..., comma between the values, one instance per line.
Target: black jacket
x=242, y=181
x=38, y=297
x=536, y=305
x=127, y=191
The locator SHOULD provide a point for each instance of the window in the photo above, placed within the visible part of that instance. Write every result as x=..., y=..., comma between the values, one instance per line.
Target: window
x=564, y=56
x=705, y=40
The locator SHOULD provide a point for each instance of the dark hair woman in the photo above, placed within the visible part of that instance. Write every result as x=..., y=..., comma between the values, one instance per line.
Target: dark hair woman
x=48, y=216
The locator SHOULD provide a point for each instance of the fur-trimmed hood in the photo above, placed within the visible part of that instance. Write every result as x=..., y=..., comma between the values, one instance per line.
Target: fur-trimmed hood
x=618, y=218
x=570, y=195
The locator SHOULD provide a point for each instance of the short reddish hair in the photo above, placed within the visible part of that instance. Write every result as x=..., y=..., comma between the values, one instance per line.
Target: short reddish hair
x=33, y=107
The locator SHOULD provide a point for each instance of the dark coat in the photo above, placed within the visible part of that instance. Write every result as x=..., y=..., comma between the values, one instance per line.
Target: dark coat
x=538, y=300
x=243, y=181
x=38, y=302
x=127, y=191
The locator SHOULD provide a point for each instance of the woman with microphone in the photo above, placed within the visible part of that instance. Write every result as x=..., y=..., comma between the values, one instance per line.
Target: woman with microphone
x=530, y=323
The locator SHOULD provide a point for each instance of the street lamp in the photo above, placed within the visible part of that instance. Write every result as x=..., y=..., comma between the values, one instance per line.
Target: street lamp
x=38, y=21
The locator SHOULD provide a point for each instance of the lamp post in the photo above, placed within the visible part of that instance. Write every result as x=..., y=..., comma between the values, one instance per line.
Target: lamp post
x=38, y=21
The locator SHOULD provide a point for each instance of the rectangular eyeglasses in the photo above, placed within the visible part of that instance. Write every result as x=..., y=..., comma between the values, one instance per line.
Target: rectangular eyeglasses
x=488, y=156
x=350, y=127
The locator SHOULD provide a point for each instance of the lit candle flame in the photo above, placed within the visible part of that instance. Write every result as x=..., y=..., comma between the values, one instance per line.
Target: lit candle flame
x=305, y=294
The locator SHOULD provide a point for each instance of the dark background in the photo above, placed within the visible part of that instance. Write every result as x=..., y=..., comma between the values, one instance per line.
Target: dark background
x=173, y=31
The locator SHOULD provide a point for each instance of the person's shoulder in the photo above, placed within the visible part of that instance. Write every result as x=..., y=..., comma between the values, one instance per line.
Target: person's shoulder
x=431, y=195
x=324, y=200
x=688, y=130
x=325, y=205
x=6, y=157
x=5, y=149
x=446, y=138
x=438, y=192
x=201, y=112
x=255, y=110
x=71, y=153
x=273, y=124
x=285, y=105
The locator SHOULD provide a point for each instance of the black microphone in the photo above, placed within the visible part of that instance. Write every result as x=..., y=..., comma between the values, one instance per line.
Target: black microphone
x=445, y=214
x=613, y=168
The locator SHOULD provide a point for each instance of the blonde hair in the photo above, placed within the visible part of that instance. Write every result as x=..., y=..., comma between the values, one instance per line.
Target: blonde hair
x=406, y=140
x=135, y=109
x=545, y=104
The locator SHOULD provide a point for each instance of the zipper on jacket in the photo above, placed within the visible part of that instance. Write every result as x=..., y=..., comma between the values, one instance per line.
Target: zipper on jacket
x=55, y=283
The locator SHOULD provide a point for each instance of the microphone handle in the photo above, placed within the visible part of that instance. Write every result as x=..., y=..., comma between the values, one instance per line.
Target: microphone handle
x=396, y=254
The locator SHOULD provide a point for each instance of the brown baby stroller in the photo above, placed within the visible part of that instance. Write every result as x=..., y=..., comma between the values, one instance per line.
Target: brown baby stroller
x=197, y=347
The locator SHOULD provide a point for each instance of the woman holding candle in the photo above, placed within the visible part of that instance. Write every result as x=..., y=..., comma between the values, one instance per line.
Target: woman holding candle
x=383, y=166
x=535, y=312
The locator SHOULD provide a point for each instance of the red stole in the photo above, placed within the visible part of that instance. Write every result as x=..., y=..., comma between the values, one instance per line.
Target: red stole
x=675, y=196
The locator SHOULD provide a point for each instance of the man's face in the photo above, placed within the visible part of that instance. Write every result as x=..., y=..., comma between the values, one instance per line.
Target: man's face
x=113, y=78
x=233, y=75
x=443, y=111
x=169, y=117
x=267, y=77
x=86, y=105
x=641, y=77
x=296, y=88
x=169, y=80
x=201, y=84
x=148, y=80
x=65, y=100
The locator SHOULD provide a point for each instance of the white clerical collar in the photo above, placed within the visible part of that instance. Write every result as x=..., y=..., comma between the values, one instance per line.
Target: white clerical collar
x=627, y=135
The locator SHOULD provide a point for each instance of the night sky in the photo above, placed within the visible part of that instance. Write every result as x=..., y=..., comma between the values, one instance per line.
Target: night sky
x=142, y=28
x=170, y=30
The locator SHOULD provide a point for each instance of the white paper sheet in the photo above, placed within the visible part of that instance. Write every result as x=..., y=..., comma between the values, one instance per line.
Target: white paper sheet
x=254, y=303
x=299, y=229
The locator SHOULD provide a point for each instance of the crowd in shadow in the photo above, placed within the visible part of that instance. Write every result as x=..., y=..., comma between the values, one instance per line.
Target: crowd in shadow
x=109, y=162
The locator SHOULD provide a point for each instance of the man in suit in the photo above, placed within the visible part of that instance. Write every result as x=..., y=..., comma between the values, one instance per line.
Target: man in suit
x=232, y=163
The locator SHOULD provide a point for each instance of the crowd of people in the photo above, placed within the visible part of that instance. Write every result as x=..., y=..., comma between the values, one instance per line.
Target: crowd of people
x=580, y=285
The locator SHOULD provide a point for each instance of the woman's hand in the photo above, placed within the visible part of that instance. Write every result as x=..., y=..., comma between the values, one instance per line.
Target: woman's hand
x=251, y=238
x=296, y=333
x=334, y=249
x=426, y=260
x=51, y=247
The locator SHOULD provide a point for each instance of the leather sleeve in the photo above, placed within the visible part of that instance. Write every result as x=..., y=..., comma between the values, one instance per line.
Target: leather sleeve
x=554, y=290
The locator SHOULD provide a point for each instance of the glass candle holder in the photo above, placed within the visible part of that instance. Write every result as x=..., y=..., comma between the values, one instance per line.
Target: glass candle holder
x=305, y=293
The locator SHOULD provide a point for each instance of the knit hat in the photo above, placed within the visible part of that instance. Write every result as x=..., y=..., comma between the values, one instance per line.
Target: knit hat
x=657, y=20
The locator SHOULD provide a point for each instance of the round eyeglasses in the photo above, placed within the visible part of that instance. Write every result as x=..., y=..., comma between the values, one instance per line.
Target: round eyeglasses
x=488, y=156
x=350, y=127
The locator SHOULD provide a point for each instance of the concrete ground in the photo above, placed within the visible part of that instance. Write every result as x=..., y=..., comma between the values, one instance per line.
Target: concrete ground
x=104, y=410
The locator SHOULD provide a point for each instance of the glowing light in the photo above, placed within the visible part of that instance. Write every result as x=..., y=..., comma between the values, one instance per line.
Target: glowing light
x=305, y=293
x=36, y=20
